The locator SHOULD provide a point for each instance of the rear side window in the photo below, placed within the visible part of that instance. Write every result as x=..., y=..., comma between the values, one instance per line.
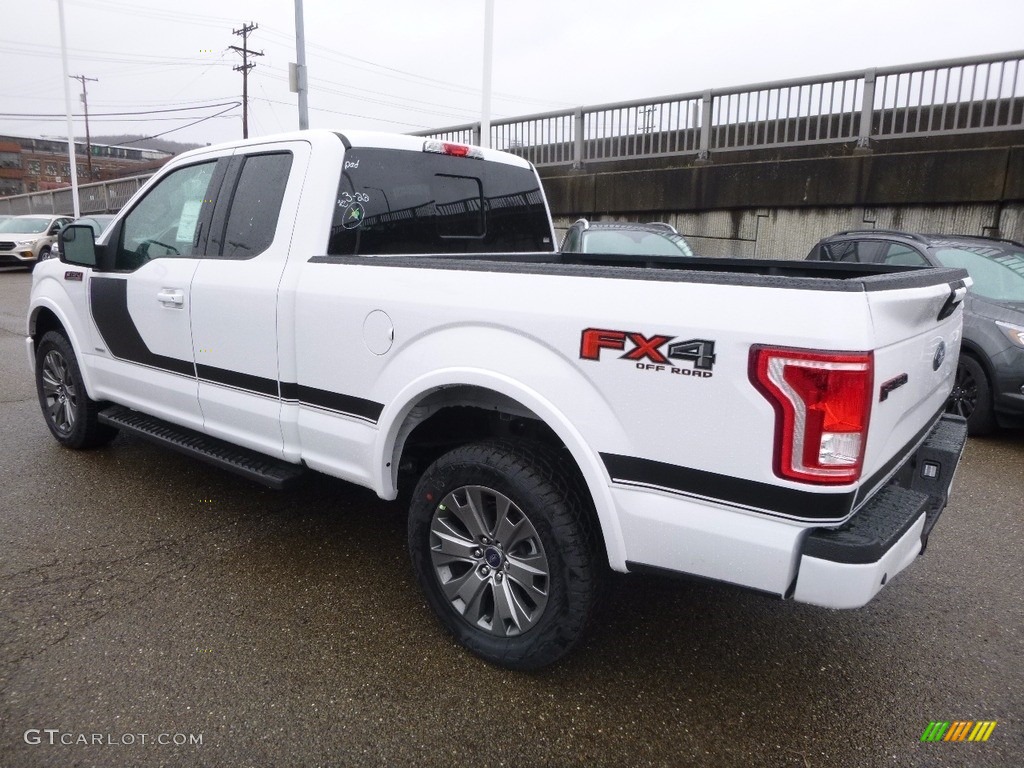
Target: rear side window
x=393, y=201
x=841, y=251
x=902, y=255
x=861, y=251
x=256, y=205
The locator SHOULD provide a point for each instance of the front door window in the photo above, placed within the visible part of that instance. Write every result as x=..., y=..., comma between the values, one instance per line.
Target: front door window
x=166, y=222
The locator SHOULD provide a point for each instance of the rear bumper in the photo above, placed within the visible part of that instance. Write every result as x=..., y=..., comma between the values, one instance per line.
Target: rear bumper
x=845, y=567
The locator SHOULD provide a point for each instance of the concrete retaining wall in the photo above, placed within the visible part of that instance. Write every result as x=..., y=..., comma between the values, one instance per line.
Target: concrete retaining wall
x=789, y=233
x=778, y=203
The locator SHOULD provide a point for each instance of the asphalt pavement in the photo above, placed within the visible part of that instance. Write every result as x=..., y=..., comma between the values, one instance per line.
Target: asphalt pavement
x=155, y=611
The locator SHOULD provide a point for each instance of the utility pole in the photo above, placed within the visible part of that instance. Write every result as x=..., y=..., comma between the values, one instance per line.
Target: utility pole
x=244, y=68
x=485, y=105
x=301, y=82
x=85, y=104
x=67, y=110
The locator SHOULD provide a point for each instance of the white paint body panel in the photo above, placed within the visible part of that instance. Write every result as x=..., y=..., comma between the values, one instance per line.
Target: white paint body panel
x=845, y=585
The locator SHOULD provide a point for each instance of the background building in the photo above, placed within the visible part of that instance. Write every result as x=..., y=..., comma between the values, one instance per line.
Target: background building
x=33, y=165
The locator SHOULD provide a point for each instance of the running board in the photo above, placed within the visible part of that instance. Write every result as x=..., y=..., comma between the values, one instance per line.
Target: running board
x=266, y=470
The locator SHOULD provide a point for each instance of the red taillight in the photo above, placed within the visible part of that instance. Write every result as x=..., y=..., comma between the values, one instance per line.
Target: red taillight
x=822, y=403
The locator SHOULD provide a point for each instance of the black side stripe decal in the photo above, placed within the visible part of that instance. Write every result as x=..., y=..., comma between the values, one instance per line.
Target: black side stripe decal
x=246, y=381
x=109, y=305
x=748, y=494
x=335, y=401
x=108, y=299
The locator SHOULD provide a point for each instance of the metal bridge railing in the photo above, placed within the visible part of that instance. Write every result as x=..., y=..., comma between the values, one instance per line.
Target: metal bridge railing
x=981, y=93
x=99, y=197
x=969, y=95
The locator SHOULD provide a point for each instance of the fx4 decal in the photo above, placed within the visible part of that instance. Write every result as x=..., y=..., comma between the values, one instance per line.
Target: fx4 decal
x=654, y=353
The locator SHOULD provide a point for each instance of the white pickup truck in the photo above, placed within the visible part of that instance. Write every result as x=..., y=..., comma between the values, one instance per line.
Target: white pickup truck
x=391, y=311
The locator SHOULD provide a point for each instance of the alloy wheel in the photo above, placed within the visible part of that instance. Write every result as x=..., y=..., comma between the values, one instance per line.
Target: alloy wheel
x=59, y=391
x=489, y=561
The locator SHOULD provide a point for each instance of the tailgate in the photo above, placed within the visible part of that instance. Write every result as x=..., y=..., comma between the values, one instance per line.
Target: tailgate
x=917, y=342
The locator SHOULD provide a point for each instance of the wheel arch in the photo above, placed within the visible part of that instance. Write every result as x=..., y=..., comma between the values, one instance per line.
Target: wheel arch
x=47, y=316
x=974, y=350
x=439, y=395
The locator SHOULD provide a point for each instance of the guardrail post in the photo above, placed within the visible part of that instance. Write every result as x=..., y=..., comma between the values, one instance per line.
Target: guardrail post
x=577, y=142
x=866, y=111
x=476, y=134
x=707, y=107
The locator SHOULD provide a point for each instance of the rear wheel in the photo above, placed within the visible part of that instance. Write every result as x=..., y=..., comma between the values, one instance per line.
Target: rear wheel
x=69, y=412
x=501, y=545
x=972, y=397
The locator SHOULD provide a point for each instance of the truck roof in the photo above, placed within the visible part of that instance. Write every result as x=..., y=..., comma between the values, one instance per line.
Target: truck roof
x=356, y=138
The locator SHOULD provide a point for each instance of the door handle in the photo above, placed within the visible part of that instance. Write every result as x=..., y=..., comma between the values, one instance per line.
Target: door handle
x=171, y=297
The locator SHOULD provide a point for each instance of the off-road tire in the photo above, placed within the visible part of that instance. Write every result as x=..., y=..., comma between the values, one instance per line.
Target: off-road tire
x=972, y=397
x=545, y=488
x=73, y=420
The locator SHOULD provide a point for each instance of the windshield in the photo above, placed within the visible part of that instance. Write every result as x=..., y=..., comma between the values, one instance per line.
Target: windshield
x=634, y=242
x=25, y=226
x=998, y=273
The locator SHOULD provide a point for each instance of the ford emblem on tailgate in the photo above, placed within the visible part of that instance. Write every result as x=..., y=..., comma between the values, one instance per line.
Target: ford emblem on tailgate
x=940, y=355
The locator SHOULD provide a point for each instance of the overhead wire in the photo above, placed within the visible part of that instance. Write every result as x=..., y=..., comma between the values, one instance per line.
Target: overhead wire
x=141, y=61
x=111, y=114
x=346, y=114
x=419, y=79
x=182, y=127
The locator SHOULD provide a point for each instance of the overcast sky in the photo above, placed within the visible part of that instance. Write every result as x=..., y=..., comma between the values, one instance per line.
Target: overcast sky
x=404, y=65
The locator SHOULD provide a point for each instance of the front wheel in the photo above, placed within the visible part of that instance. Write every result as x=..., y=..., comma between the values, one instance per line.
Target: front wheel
x=501, y=544
x=69, y=412
x=44, y=254
x=972, y=397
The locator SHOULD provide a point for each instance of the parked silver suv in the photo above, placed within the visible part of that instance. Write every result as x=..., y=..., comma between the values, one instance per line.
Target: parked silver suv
x=25, y=240
x=625, y=237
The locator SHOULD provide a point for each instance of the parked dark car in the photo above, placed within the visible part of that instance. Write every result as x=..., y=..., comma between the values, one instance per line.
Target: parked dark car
x=989, y=389
x=624, y=237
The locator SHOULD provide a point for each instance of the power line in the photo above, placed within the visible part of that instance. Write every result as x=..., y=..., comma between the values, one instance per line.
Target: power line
x=191, y=19
x=244, y=68
x=346, y=114
x=183, y=127
x=419, y=79
x=120, y=114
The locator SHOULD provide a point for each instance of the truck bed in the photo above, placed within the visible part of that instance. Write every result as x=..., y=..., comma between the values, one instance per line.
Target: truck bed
x=777, y=273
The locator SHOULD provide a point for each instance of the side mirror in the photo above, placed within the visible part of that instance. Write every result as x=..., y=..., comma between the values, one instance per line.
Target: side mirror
x=78, y=245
